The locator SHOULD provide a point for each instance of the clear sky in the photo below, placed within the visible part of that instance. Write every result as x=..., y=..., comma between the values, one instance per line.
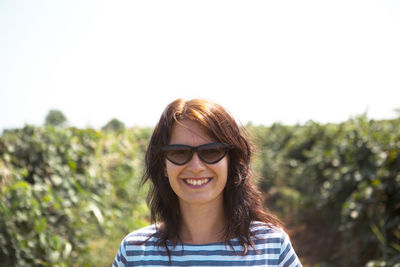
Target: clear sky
x=265, y=61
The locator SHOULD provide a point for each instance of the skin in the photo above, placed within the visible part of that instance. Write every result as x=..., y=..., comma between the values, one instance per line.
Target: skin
x=201, y=206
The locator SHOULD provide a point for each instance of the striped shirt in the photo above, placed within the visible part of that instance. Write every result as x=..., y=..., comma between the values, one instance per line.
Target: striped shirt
x=273, y=248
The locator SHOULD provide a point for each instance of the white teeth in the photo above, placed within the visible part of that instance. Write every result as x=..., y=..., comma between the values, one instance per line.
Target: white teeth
x=197, y=181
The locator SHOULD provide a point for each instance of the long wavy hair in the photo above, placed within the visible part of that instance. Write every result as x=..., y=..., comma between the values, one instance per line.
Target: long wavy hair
x=242, y=200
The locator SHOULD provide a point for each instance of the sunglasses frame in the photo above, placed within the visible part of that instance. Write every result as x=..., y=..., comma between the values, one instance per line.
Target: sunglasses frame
x=193, y=149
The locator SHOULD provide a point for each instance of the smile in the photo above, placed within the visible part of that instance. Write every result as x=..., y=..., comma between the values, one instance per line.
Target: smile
x=197, y=182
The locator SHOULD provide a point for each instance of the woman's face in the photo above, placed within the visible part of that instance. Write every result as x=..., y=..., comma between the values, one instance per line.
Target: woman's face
x=196, y=182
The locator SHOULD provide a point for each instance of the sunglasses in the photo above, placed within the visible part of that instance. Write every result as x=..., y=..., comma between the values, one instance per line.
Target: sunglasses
x=209, y=153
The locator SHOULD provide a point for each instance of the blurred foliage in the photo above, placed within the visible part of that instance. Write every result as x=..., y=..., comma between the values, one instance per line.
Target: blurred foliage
x=114, y=125
x=345, y=178
x=64, y=191
x=55, y=118
x=68, y=196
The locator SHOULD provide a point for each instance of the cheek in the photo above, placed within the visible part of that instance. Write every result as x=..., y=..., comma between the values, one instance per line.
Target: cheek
x=168, y=170
x=168, y=165
x=171, y=169
x=223, y=168
x=226, y=163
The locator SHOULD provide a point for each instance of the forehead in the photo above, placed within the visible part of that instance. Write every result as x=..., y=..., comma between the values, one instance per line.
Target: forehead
x=189, y=132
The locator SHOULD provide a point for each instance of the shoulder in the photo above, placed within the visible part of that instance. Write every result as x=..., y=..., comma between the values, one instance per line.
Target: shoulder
x=265, y=230
x=134, y=244
x=141, y=235
x=276, y=241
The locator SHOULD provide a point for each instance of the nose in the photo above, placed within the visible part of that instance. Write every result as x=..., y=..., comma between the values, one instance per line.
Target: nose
x=196, y=164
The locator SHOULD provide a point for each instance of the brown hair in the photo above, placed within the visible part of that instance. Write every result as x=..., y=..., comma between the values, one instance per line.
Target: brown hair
x=242, y=200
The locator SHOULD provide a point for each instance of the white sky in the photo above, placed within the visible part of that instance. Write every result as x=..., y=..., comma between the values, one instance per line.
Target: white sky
x=265, y=61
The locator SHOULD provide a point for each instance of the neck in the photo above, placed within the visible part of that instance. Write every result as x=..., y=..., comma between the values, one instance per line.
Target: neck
x=202, y=224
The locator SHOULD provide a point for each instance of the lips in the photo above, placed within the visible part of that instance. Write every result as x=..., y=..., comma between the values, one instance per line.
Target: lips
x=197, y=182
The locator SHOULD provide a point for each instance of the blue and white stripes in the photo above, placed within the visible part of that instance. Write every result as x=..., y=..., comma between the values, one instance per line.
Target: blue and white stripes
x=273, y=248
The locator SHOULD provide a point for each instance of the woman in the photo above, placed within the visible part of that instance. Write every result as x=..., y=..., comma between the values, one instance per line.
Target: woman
x=206, y=209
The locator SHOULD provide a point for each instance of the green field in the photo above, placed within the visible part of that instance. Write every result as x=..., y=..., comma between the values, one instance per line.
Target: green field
x=68, y=195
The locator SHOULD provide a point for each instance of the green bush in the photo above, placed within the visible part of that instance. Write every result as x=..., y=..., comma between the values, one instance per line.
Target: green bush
x=68, y=196
x=47, y=195
x=343, y=177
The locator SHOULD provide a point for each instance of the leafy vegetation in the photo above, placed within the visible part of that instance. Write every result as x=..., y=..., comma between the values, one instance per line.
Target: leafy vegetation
x=341, y=179
x=64, y=191
x=114, y=125
x=68, y=195
x=55, y=118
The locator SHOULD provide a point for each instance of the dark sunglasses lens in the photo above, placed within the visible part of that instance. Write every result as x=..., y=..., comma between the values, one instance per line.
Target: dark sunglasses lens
x=178, y=155
x=212, y=153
